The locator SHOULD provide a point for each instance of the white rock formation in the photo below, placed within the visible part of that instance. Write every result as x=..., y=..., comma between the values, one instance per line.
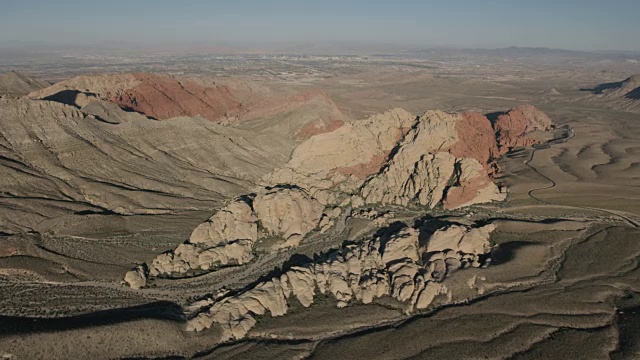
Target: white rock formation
x=389, y=159
x=137, y=278
x=421, y=173
x=395, y=264
x=410, y=177
x=392, y=158
x=233, y=222
x=461, y=239
x=344, y=157
x=289, y=213
x=229, y=236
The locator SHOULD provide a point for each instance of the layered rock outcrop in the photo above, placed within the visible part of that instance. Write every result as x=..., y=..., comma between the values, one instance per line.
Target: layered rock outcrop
x=258, y=108
x=229, y=236
x=234, y=221
x=476, y=139
x=389, y=159
x=396, y=158
x=344, y=157
x=630, y=88
x=400, y=264
x=57, y=160
x=623, y=94
x=470, y=185
x=157, y=96
x=421, y=172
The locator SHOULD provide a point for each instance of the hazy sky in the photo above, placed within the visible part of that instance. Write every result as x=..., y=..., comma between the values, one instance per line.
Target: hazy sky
x=569, y=24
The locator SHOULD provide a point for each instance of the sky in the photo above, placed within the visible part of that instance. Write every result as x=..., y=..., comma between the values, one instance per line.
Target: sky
x=565, y=24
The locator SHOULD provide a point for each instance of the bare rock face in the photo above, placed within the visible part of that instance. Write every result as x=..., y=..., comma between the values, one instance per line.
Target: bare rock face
x=229, y=236
x=300, y=115
x=390, y=159
x=470, y=185
x=461, y=239
x=476, y=139
x=394, y=158
x=395, y=264
x=235, y=221
x=418, y=171
x=423, y=179
x=156, y=96
x=189, y=258
x=421, y=172
x=289, y=213
x=346, y=156
x=226, y=239
x=512, y=128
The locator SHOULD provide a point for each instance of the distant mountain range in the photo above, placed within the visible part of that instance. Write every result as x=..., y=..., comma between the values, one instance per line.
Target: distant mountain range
x=315, y=48
x=527, y=52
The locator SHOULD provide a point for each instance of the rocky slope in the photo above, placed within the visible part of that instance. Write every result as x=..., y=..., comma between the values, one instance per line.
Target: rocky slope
x=58, y=160
x=423, y=171
x=343, y=158
x=154, y=95
x=389, y=159
x=18, y=84
x=228, y=238
x=628, y=88
x=624, y=94
x=162, y=97
x=396, y=158
x=407, y=265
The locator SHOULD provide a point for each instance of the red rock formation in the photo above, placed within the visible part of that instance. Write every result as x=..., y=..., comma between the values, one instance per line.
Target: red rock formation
x=512, y=128
x=476, y=139
x=157, y=96
x=164, y=97
x=318, y=127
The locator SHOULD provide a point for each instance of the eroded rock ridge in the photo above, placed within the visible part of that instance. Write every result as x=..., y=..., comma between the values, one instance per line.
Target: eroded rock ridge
x=406, y=265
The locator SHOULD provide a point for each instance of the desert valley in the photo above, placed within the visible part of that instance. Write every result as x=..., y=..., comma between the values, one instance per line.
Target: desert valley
x=444, y=203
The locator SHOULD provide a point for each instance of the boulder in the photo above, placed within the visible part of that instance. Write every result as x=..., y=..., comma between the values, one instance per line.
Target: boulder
x=137, y=278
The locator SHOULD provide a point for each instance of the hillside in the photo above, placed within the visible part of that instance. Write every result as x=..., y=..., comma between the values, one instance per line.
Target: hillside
x=18, y=84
